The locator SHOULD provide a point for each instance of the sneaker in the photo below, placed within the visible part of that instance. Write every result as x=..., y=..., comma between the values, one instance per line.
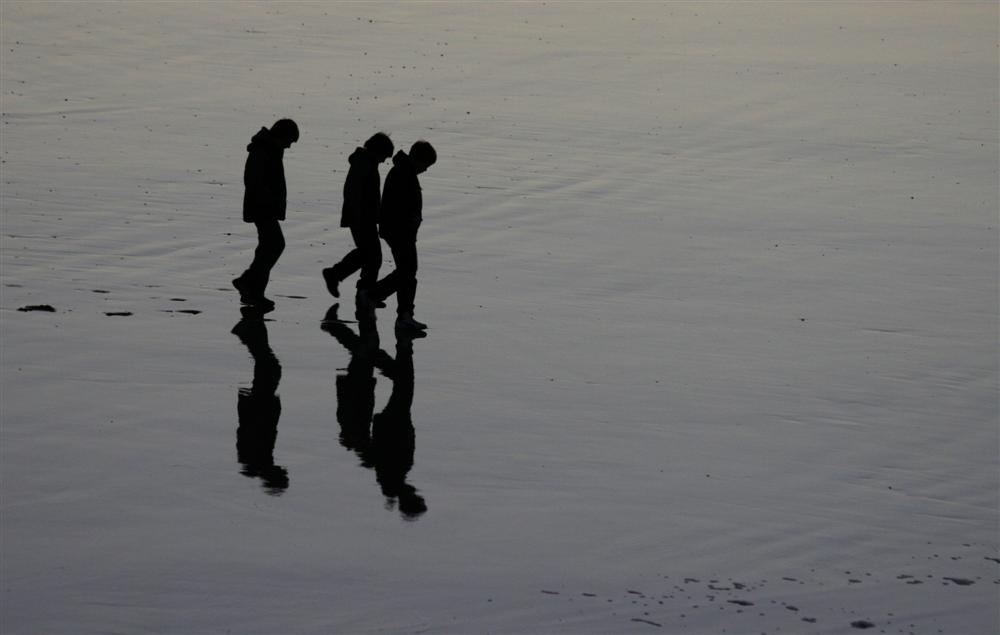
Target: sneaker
x=406, y=321
x=405, y=337
x=252, y=297
x=331, y=282
x=243, y=286
x=260, y=302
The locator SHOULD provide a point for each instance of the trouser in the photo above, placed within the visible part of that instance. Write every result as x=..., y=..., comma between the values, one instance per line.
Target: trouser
x=403, y=279
x=270, y=245
x=366, y=257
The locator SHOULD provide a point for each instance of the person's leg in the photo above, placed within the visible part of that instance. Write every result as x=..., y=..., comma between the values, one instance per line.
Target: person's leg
x=348, y=264
x=334, y=275
x=389, y=284
x=371, y=257
x=270, y=245
x=405, y=256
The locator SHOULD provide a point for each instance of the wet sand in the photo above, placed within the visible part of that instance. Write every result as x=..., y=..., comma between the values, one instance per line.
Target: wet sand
x=712, y=294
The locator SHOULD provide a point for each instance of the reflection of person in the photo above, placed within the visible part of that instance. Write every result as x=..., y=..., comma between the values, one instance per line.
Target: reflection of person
x=362, y=197
x=356, y=388
x=259, y=408
x=264, y=202
x=399, y=219
x=393, y=436
x=386, y=444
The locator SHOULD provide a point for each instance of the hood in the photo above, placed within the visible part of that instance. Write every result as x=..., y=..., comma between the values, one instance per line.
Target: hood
x=359, y=156
x=262, y=141
x=402, y=160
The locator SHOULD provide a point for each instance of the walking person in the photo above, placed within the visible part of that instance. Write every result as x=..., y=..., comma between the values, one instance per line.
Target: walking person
x=399, y=220
x=359, y=213
x=264, y=202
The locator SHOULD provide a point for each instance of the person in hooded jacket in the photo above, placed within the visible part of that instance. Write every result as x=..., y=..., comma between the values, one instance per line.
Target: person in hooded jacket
x=264, y=201
x=359, y=213
x=399, y=219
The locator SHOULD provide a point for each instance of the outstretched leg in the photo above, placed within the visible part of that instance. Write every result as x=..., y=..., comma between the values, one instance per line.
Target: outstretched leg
x=403, y=282
x=270, y=245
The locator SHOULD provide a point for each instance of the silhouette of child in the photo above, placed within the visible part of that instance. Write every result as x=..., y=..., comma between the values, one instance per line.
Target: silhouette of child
x=399, y=219
x=264, y=202
x=362, y=199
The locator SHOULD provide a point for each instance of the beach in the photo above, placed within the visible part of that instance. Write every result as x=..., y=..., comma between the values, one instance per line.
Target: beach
x=712, y=295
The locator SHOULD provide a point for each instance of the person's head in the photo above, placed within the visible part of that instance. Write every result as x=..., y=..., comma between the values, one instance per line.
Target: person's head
x=380, y=145
x=285, y=132
x=423, y=155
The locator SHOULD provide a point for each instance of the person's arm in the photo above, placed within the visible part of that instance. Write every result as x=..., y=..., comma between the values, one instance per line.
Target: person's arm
x=415, y=204
x=264, y=180
x=350, y=213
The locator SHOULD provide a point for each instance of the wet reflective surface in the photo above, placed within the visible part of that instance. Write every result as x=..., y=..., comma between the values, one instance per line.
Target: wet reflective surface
x=712, y=307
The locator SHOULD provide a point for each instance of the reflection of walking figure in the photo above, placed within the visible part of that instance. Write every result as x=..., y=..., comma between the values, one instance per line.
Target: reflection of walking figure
x=362, y=196
x=385, y=442
x=356, y=388
x=399, y=219
x=264, y=202
x=258, y=408
x=393, y=436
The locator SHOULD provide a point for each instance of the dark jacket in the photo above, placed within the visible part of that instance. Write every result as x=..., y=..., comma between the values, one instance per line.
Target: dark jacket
x=265, y=194
x=361, y=191
x=402, y=202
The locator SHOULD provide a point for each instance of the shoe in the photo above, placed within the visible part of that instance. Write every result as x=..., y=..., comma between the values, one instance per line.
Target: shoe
x=331, y=282
x=251, y=296
x=260, y=302
x=246, y=292
x=405, y=336
x=255, y=311
x=406, y=321
x=240, y=284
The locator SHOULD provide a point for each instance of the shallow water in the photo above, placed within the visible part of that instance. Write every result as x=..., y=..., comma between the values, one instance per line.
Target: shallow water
x=712, y=294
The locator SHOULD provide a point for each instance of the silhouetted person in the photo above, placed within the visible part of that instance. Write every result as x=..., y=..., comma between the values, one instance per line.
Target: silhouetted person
x=258, y=407
x=387, y=444
x=359, y=213
x=399, y=219
x=264, y=202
